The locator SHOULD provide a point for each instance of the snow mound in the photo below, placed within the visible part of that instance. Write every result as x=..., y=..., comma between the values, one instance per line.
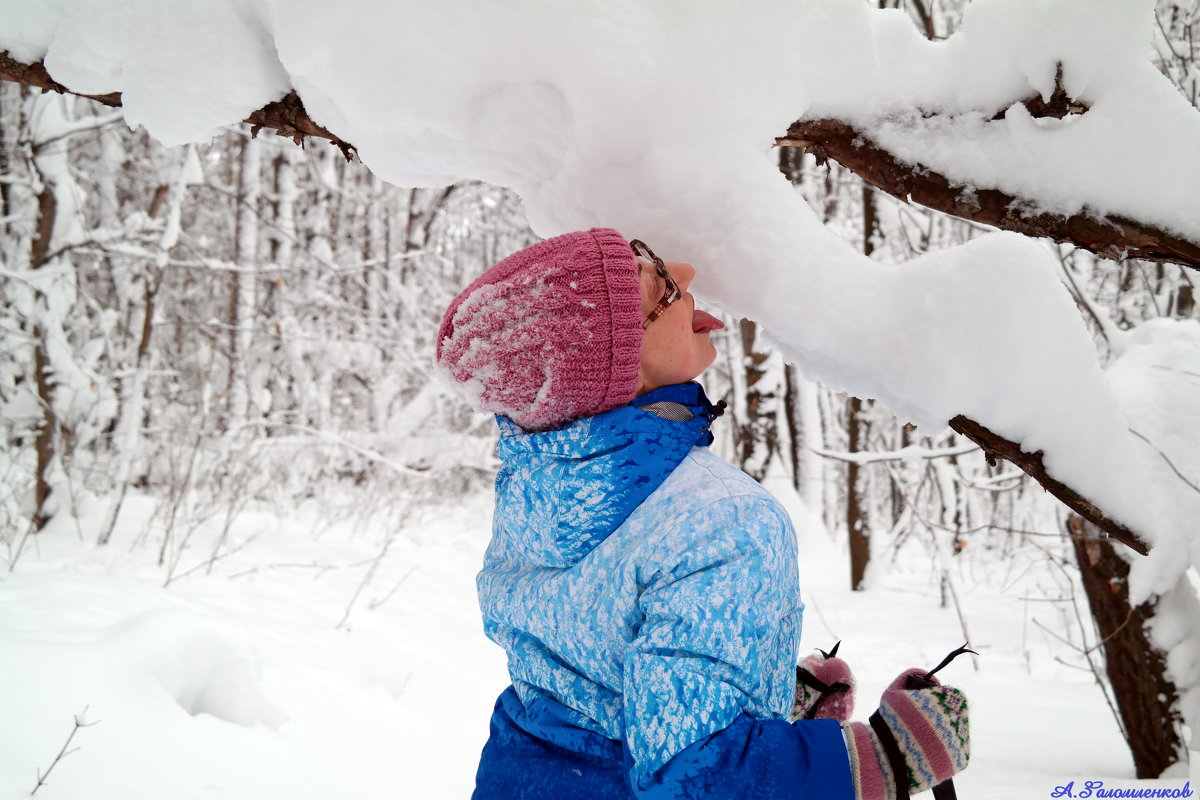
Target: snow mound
x=205, y=666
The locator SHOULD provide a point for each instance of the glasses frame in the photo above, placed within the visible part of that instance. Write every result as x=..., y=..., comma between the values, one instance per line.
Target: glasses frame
x=642, y=250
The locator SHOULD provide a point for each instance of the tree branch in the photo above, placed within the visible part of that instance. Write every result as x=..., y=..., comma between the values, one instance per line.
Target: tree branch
x=995, y=445
x=35, y=75
x=286, y=116
x=910, y=453
x=1109, y=236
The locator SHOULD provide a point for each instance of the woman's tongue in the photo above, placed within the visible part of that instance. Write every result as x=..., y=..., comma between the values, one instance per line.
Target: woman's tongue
x=703, y=322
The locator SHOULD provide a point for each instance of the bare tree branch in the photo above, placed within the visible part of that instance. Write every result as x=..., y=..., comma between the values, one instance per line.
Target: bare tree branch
x=286, y=116
x=996, y=445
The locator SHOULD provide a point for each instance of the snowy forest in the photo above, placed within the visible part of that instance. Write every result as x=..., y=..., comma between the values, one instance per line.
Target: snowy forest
x=241, y=517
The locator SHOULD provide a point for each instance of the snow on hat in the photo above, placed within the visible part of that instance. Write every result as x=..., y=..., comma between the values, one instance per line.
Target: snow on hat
x=551, y=333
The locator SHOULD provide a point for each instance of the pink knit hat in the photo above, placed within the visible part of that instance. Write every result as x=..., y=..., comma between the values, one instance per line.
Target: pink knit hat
x=551, y=333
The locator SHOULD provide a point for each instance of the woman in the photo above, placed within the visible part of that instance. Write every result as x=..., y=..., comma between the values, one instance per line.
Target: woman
x=646, y=592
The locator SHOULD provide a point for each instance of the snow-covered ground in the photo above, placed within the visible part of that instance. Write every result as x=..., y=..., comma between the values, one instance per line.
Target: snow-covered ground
x=242, y=684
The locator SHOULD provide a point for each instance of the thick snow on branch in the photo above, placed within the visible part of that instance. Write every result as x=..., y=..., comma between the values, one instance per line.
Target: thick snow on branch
x=1156, y=376
x=956, y=107
x=656, y=118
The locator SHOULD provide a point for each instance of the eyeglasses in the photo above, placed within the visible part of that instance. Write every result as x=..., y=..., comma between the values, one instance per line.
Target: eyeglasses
x=672, y=292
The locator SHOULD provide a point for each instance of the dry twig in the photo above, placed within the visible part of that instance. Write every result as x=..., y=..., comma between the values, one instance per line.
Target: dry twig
x=80, y=722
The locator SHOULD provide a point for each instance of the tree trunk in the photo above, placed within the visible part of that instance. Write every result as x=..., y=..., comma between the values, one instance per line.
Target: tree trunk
x=7, y=144
x=856, y=511
x=1146, y=699
x=375, y=252
x=133, y=386
x=805, y=433
x=284, y=402
x=133, y=404
x=243, y=299
x=44, y=444
x=758, y=433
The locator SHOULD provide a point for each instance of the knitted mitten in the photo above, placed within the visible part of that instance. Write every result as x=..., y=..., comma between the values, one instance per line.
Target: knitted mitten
x=824, y=687
x=926, y=721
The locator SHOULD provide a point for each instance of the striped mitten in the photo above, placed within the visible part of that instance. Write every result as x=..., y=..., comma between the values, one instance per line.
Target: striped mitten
x=920, y=733
x=824, y=687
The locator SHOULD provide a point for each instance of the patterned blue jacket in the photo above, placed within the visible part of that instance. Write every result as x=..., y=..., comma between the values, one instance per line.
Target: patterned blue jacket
x=648, y=598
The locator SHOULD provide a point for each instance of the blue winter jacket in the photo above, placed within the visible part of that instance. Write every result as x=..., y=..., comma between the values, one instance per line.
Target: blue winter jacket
x=648, y=598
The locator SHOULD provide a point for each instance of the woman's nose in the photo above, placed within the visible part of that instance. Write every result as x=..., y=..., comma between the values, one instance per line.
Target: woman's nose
x=681, y=273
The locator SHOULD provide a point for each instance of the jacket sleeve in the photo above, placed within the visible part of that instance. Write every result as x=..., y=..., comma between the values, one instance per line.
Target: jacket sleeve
x=720, y=612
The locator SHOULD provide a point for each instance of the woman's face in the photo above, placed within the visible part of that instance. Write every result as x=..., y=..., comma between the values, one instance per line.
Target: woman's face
x=675, y=346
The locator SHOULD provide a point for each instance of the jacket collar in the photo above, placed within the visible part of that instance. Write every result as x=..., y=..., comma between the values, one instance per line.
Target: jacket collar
x=562, y=492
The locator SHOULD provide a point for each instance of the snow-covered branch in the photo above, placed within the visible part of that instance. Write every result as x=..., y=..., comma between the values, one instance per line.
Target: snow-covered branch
x=995, y=445
x=911, y=453
x=68, y=128
x=35, y=75
x=1107, y=235
x=377, y=457
x=1179, y=473
x=286, y=116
